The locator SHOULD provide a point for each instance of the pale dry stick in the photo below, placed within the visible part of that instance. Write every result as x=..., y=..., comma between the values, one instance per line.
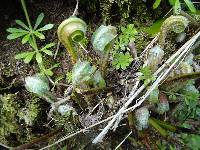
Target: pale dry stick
x=175, y=67
x=83, y=47
x=80, y=131
x=123, y=140
x=76, y=9
x=106, y=129
x=73, y=134
x=57, y=49
x=155, y=84
x=5, y=146
x=132, y=92
x=125, y=111
x=150, y=45
x=93, y=109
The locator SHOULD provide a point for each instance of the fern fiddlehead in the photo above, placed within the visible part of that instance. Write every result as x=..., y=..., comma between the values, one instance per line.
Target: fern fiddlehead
x=176, y=24
x=71, y=30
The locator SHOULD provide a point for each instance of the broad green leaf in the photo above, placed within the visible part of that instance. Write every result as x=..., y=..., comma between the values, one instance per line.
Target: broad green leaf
x=177, y=7
x=103, y=37
x=22, y=55
x=48, y=46
x=39, y=20
x=155, y=28
x=82, y=73
x=46, y=27
x=15, y=35
x=48, y=52
x=16, y=30
x=172, y=2
x=37, y=84
x=29, y=57
x=40, y=35
x=25, y=38
x=19, y=22
x=190, y=5
x=39, y=58
x=156, y=4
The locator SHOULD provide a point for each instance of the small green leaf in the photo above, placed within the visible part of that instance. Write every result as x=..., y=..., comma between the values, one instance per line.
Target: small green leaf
x=22, y=55
x=48, y=52
x=122, y=60
x=155, y=28
x=39, y=57
x=32, y=43
x=48, y=72
x=48, y=46
x=156, y=4
x=40, y=35
x=38, y=20
x=190, y=5
x=15, y=35
x=16, y=30
x=46, y=27
x=19, y=22
x=25, y=38
x=55, y=66
x=29, y=57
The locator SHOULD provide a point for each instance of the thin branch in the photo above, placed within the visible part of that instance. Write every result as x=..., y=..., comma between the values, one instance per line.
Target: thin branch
x=57, y=49
x=76, y=9
x=123, y=140
x=5, y=146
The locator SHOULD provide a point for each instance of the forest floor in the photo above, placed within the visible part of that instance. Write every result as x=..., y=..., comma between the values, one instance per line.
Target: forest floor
x=168, y=130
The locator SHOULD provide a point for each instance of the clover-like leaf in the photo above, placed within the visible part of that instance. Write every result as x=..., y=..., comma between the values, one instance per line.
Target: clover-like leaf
x=121, y=60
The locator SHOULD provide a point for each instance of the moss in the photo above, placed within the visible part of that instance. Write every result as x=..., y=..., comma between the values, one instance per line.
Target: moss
x=8, y=122
x=31, y=112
